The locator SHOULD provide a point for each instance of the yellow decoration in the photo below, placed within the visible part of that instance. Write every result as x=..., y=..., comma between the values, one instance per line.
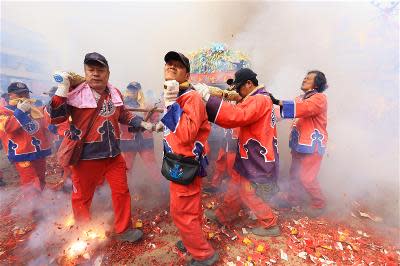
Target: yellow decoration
x=260, y=248
x=139, y=223
x=247, y=241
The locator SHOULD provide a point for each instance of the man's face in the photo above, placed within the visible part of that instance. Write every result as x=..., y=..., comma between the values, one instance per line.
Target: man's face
x=19, y=95
x=308, y=82
x=246, y=88
x=175, y=70
x=133, y=94
x=97, y=76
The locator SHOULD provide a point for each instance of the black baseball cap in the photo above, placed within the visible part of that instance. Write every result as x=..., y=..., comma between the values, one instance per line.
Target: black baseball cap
x=95, y=58
x=18, y=87
x=172, y=55
x=134, y=86
x=241, y=76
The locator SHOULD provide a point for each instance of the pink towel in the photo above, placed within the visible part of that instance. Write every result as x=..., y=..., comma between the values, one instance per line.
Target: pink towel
x=82, y=96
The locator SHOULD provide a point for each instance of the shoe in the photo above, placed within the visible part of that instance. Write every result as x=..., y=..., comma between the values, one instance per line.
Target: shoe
x=210, y=214
x=314, y=212
x=279, y=203
x=2, y=183
x=210, y=261
x=271, y=231
x=131, y=235
x=211, y=190
x=67, y=188
x=180, y=246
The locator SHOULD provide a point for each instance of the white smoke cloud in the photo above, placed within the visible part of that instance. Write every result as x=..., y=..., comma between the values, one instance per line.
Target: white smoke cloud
x=357, y=46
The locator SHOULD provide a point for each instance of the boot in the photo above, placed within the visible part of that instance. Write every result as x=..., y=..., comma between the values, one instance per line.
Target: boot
x=130, y=235
x=210, y=261
x=314, y=212
x=210, y=214
x=271, y=231
x=180, y=246
x=211, y=190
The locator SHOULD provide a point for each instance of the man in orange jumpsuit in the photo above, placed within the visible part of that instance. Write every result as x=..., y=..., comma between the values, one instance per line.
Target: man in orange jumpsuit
x=254, y=179
x=25, y=138
x=308, y=141
x=101, y=155
x=186, y=130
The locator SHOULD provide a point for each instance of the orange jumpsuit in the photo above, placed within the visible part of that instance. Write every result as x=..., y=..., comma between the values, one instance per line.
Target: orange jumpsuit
x=101, y=156
x=185, y=132
x=27, y=144
x=256, y=157
x=308, y=141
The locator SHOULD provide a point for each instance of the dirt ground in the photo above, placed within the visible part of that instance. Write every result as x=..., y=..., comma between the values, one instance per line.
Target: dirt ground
x=336, y=238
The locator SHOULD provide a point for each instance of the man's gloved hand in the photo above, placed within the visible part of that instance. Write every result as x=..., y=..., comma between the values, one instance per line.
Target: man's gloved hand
x=159, y=127
x=146, y=125
x=274, y=100
x=63, y=83
x=170, y=92
x=203, y=90
x=24, y=106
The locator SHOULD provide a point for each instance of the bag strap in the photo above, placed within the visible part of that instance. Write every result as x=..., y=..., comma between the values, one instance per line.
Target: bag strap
x=96, y=113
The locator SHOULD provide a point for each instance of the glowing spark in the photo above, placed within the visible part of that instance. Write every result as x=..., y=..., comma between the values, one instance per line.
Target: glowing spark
x=77, y=248
x=70, y=221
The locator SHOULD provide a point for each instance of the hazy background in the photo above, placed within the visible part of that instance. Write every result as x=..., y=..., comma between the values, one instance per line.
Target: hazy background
x=356, y=44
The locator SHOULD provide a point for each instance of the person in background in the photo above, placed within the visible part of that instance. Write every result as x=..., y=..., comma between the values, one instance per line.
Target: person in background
x=25, y=138
x=308, y=140
x=139, y=142
x=225, y=160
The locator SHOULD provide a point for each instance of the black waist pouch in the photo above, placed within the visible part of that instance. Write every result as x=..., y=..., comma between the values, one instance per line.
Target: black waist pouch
x=179, y=169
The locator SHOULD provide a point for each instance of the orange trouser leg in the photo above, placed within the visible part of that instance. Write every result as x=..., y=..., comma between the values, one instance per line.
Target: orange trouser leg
x=86, y=175
x=240, y=190
x=32, y=175
x=303, y=177
x=295, y=190
x=115, y=173
x=231, y=205
x=187, y=214
x=309, y=170
x=220, y=166
x=261, y=209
